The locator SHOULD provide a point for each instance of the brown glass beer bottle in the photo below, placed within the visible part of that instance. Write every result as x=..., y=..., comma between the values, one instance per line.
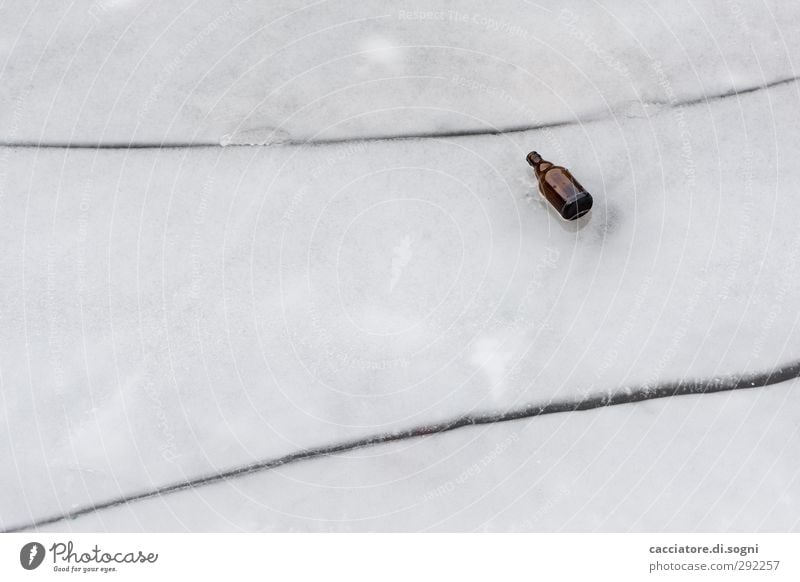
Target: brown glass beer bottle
x=560, y=189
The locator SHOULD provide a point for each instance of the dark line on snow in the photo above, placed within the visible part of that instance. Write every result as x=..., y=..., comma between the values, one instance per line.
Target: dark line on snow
x=287, y=143
x=385, y=137
x=683, y=388
x=738, y=92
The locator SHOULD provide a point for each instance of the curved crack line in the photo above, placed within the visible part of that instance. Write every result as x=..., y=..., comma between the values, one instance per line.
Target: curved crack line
x=682, y=388
x=494, y=131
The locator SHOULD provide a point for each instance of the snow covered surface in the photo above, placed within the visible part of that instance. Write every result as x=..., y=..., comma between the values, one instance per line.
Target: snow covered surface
x=169, y=313
x=683, y=464
x=264, y=72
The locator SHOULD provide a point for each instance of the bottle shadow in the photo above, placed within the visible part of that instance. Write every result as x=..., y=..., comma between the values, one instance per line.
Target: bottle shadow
x=576, y=225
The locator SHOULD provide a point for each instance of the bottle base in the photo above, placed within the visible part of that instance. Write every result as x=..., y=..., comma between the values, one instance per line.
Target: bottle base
x=578, y=207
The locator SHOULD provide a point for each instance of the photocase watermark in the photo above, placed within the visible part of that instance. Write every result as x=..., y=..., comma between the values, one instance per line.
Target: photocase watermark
x=786, y=281
x=16, y=106
x=168, y=446
x=532, y=521
x=738, y=15
x=56, y=320
x=84, y=206
x=681, y=125
x=100, y=7
x=503, y=97
x=470, y=18
x=31, y=555
x=569, y=20
x=744, y=228
x=66, y=559
x=522, y=315
x=196, y=243
x=169, y=71
x=320, y=170
x=323, y=343
x=684, y=325
x=471, y=471
x=635, y=309
x=401, y=256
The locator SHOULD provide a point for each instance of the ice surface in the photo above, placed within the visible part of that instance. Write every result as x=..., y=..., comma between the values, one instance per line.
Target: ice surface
x=724, y=463
x=169, y=313
x=102, y=71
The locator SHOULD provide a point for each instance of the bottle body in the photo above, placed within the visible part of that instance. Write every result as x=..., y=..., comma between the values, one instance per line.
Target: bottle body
x=560, y=188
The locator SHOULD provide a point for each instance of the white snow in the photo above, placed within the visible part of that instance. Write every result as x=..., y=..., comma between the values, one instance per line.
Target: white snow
x=169, y=313
x=677, y=465
x=110, y=71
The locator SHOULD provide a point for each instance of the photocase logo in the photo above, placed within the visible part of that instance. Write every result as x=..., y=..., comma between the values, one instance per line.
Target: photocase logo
x=402, y=254
x=31, y=555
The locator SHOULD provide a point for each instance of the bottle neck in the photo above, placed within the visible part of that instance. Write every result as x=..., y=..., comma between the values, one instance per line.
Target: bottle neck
x=540, y=165
x=543, y=167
